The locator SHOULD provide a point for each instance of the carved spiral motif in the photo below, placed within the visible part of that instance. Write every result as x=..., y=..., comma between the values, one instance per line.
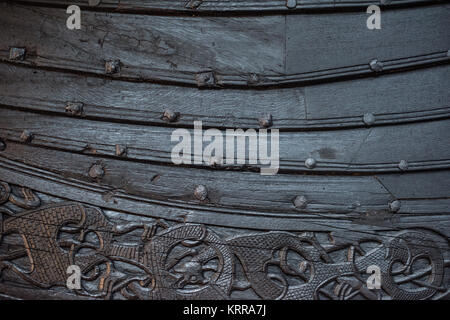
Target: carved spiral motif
x=189, y=261
x=405, y=250
x=5, y=191
x=178, y=278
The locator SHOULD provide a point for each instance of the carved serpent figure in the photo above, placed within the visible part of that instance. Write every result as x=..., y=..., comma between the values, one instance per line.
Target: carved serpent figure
x=170, y=285
x=189, y=261
x=257, y=252
x=50, y=256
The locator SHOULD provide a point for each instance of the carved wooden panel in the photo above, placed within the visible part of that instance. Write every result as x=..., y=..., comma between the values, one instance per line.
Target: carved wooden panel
x=154, y=259
x=87, y=176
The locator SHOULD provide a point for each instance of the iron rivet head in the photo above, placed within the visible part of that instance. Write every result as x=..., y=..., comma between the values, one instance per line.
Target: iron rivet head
x=300, y=202
x=112, y=66
x=265, y=121
x=291, y=4
x=201, y=193
x=96, y=171
x=17, y=54
x=94, y=3
x=394, y=206
x=74, y=108
x=310, y=163
x=170, y=116
x=376, y=65
x=355, y=205
x=369, y=119
x=403, y=165
x=206, y=79
x=193, y=4
x=26, y=136
x=120, y=150
x=2, y=145
x=253, y=79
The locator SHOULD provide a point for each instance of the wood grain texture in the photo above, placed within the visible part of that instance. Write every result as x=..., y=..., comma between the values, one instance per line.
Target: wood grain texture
x=395, y=98
x=224, y=6
x=331, y=251
x=216, y=51
x=168, y=192
x=86, y=175
x=379, y=149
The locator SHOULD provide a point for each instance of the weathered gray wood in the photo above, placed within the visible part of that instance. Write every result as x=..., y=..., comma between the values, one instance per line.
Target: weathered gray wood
x=338, y=247
x=387, y=97
x=270, y=50
x=380, y=149
x=405, y=33
x=224, y=6
x=395, y=98
x=168, y=192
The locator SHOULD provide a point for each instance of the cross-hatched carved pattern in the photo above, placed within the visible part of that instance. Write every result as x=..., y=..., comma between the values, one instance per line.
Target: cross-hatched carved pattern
x=190, y=261
x=39, y=230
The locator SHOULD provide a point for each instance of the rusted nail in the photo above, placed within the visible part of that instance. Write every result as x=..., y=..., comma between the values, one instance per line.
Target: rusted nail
x=193, y=4
x=74, y=108
x=265, y=121
x=376, y=65
x=2, y=145
x=310, y=163
x=112, y=66
x=170, y=116
x=369, y=119
x=300, y=202
x=206, y=79
x=94, y=3
x=120, y=150
x=200, y=192
x=96, y=171
x=403, y=165
x=253, y=78
x=26, y=136
x=17, y=53
x=394, y=206
x=291, y=4
x=355, y=205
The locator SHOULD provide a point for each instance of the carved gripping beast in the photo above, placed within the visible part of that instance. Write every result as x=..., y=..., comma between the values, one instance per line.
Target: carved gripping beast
x=191, y=261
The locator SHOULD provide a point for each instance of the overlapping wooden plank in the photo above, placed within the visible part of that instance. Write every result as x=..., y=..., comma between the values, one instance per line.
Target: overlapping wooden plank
x=140, y=186
x=401, y=94
x=345, y=39
x=217, y=51
x=223, y=6
x=146, y=102
x=120, y=237
x=434, y=185
x=395, y=98
x=423, y=145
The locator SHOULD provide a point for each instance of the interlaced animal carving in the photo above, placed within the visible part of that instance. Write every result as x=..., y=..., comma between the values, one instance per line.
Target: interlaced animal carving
x=190, y=261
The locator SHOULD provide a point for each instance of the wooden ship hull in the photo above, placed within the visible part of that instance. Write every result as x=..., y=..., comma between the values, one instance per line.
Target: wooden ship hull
x=87, y=176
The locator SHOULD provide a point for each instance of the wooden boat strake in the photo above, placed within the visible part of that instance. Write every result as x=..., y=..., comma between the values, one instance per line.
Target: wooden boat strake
x=92, y=121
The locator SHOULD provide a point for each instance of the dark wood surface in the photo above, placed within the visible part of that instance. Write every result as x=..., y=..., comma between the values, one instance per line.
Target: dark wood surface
x=139, y=230
x=378, y=149
x=236, y=192
x=268, y=51
x=225, y=6
x=393, y=99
